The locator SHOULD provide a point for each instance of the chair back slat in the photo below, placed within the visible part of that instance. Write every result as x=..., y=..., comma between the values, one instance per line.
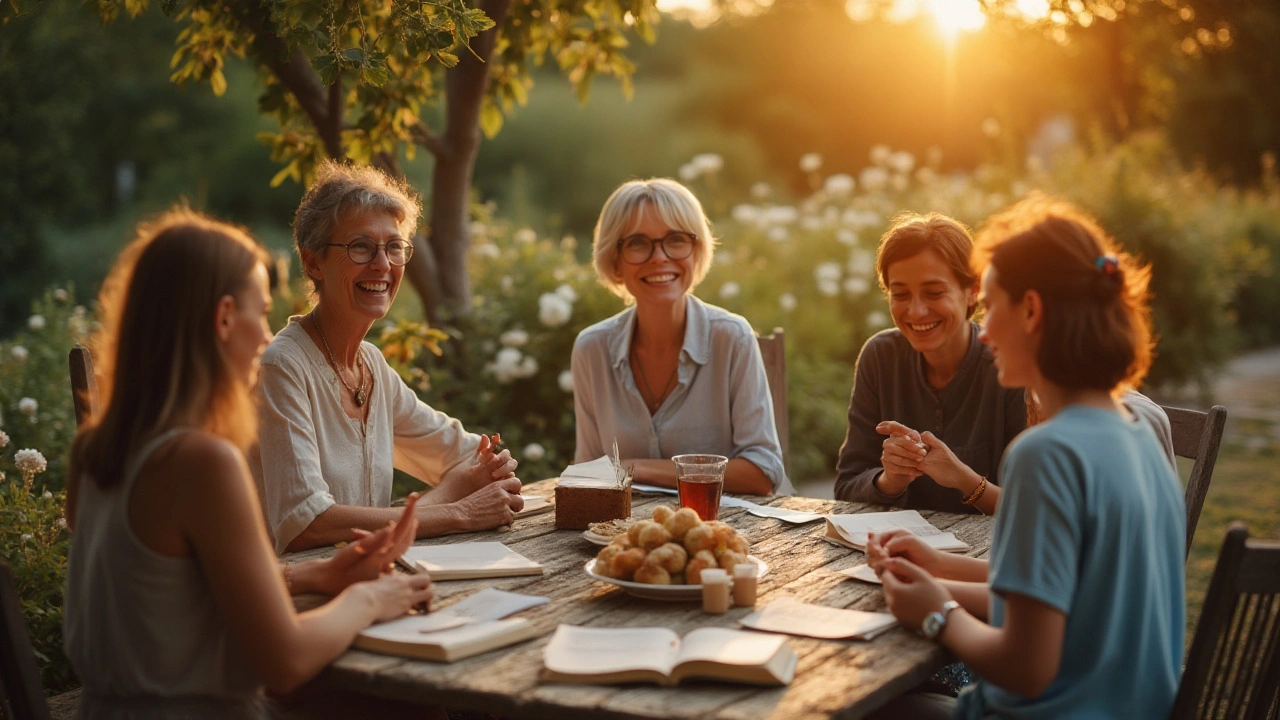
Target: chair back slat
x=84, y=387
x=773, y=350
x=1198, y=436
x=1233, y=668
x=21, y=695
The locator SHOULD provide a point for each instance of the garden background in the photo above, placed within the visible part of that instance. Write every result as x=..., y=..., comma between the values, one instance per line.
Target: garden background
x=804, y=126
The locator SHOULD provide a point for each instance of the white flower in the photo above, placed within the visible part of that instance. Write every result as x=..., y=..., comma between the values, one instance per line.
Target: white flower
x=488, y=250
x=877, y=319
x=19, y=353
x=787, y=301
x=78, y=325
x=860, y=219
x=856, y=286
x=880, y=154
x=730, y=290
x=926, y=176
x=528, y=367
x=745, y=214
x=554, y=310
x=707, y=163
x=991, y=127
x=761, y=190
x=534, y=451
x=689, y=172
x=567, y=292
x=900, y=182
x=903, y=162
x=29, y=461
x=26, y=536
x=507, y=283
x=60, y=295
x=830, y=288
x=565, y=381
x=861, y=263
x=62, y=523
x=47, y=495
x=4, y=439
x=847, y=237
x=829, y=271
x=505, y=366
x=780, y=215
x=811, y=223
x=28, y=406
x=568, y=242
x=525, y=235
x=778, y=234
x=36, y=322
x=514, y=338
x=839, y=185
x=810, y=162
x=874, y=179
x=479, y=229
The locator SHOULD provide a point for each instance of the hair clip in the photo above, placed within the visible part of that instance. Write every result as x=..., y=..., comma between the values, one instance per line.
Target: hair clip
x=1107, y=264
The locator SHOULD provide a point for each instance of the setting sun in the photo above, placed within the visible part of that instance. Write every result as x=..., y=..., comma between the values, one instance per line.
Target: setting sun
x=956, y=16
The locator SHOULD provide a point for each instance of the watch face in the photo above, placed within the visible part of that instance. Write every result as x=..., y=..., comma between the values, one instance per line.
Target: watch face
x=932, y=624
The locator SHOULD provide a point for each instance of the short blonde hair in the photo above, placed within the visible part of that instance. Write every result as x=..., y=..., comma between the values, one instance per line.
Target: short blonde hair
x=675, y=205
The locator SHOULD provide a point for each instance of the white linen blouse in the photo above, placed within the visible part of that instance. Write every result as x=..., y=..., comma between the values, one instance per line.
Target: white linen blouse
x=311, y=455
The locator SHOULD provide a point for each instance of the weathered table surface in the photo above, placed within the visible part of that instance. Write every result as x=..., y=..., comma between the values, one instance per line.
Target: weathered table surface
x=845, y=679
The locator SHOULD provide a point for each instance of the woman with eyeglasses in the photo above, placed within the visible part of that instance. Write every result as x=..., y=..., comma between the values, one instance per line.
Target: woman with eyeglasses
x=670, y=374
x=335, y=419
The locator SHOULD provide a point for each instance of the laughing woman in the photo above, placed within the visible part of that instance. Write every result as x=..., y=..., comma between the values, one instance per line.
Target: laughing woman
x=335, y=419
x=671, y=374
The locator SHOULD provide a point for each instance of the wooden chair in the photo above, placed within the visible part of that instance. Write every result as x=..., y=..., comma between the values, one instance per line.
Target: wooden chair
x=773, y=349
x=1233, y=668
x=84, y=387
x=21, y=695
x=1197, y=435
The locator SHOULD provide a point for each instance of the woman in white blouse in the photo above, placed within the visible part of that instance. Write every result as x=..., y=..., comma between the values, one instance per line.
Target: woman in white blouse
x=670, y=374
x=335, y=419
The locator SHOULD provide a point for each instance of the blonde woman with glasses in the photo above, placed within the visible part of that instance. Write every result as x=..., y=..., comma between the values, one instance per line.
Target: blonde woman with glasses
x=670, y=374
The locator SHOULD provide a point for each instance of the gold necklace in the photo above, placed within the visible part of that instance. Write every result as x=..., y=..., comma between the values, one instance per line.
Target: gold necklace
x=358, y=394
x=644, y=380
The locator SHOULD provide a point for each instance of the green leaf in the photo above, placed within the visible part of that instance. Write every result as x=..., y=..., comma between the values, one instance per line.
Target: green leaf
x=327, y=67
x=490, y=118
x=447, y=59
x=218, y=82
x=355, y=56
x=169, y=7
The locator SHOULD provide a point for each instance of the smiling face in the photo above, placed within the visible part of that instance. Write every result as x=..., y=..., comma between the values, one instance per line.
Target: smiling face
x=929, y=305
x=1008, y=330
x=659, y=279
x=358, y=292
x=242, y=326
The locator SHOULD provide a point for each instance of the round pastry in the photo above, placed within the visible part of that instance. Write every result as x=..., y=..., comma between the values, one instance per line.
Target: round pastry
x=626, y=563
x=671, y=557
x=681, y=522
x=662, y=513
x=699, y=537
x=652, y=574
x=702, y=560
x=652, y=535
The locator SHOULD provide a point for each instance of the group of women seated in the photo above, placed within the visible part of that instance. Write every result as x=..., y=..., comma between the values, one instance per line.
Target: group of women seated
x=177, y=605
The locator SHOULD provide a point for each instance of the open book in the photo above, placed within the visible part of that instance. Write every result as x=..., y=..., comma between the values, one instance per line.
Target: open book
x=469, y=560
x=657, y=655
x=852, y=530
x=468, y=627
x=792, y=617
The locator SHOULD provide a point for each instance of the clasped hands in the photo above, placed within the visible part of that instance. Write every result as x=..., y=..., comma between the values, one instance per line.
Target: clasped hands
x=908, y=454
x=907, y=567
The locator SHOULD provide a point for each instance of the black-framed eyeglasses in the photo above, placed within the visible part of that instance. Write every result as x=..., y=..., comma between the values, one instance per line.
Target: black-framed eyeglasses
x=638, y=248
x=361, y=251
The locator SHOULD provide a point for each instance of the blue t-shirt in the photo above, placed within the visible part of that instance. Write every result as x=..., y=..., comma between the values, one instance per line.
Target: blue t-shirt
x=1092, y=523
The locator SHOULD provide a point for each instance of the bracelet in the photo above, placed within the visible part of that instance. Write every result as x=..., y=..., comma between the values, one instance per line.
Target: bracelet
x=288, y=578
x=977, y=493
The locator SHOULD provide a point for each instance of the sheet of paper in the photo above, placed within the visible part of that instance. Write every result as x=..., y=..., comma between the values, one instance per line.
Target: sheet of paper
x=861, y=572
x=488, y=604
x=534, y=504
x=729, y=647
x=653, y=489
x=588, y=651
x=795, y=517
x=855, y=527
x=597, y=473
x=792, y=617
x=467, y=556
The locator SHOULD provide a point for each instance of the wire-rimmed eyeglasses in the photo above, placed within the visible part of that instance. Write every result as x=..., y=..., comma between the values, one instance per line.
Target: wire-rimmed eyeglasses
x=362, y=250
x=638, y=248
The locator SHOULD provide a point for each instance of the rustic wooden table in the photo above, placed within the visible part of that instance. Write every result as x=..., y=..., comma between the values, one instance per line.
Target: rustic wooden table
x=844, y=679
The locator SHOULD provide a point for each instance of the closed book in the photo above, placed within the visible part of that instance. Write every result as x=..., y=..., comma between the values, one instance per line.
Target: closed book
x=470, y=560
x=405, y=637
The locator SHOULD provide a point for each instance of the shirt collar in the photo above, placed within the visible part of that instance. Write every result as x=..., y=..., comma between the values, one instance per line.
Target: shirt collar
x=697, y=341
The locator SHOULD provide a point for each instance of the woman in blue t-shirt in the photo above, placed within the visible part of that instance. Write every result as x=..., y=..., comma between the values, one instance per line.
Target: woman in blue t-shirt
x=1079, y=612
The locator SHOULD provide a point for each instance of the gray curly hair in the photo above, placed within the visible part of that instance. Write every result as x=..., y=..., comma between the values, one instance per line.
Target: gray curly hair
x=340, y=188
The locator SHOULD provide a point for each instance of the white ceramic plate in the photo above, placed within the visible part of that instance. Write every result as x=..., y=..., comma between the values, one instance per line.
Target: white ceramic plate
x=662, y=592
x=602, y=540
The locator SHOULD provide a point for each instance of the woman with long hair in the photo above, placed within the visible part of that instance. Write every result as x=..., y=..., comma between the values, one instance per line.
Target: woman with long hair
x=1079, y=612
x=176, y=604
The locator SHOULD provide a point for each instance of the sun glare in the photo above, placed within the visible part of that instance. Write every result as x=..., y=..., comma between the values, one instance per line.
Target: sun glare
x=1033, y=9
x=957, y=16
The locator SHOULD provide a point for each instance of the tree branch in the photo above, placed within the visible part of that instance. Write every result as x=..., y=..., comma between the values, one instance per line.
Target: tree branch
x=293, y=70
x=423, y=136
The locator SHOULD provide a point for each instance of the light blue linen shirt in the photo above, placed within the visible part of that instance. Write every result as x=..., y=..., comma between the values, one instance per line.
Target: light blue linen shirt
x=720, y=405
x=1092, y=523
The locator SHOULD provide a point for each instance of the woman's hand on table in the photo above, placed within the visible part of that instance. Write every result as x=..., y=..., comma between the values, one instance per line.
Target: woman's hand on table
x=910, y=592
x=491, y=506
x=391, y=596
x=369, y=557
x=881, y=547
x=900, y=457
x=481, y=469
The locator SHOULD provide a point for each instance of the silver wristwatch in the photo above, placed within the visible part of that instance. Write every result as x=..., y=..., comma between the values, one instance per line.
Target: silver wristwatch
x=934, y=622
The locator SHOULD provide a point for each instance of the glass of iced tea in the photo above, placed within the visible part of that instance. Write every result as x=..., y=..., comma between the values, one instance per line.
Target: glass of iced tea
x=700, y=479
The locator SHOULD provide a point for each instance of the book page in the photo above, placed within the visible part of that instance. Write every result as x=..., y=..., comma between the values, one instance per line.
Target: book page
x=792, y=617
x=468, y=556
x=728, y=647
x=597, y=473
x=488, y=604
x=577, y=650
x=854, y=528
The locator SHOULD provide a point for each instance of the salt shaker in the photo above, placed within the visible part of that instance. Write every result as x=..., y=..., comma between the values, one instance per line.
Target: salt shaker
x=745, y=576
x=715, y=591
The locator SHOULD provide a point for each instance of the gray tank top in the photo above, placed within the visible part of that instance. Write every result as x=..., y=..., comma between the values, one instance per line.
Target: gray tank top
x=141, y=628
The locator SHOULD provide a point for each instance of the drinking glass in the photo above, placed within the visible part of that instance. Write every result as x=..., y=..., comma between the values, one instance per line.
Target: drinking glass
x=700, y=479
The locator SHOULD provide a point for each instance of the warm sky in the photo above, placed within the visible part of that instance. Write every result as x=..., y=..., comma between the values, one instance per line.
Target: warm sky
x=952, y=16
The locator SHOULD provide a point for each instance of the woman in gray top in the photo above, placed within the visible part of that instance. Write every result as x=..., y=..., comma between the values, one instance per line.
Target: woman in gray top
x=671, y=374
x=928, y=422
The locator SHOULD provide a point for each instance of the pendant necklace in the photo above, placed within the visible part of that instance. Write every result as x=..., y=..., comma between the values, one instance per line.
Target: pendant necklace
x=358, y=394
x=657, y=399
